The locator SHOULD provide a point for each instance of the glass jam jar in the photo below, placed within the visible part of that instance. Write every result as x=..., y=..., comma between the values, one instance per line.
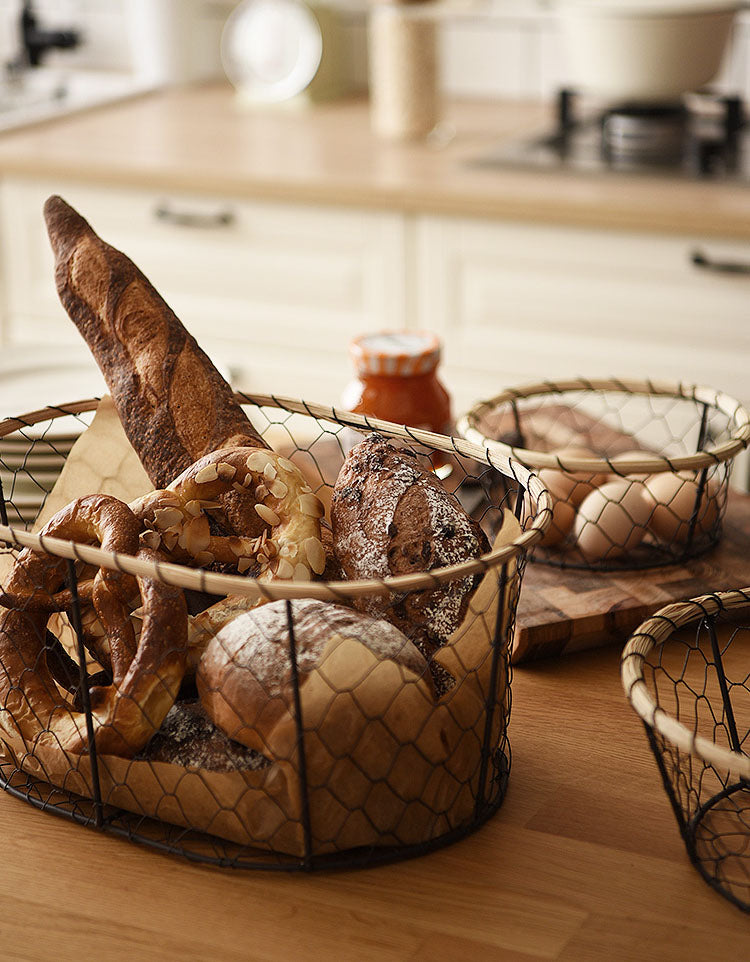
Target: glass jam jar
x=397, y=380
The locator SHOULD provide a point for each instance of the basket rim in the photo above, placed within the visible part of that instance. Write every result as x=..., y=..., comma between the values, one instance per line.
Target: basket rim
x=655, y=464
x=655, y=631
x=222, y=584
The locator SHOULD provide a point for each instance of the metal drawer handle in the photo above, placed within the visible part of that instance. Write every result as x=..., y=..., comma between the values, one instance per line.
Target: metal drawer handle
x=188, y=218
x=700, y=260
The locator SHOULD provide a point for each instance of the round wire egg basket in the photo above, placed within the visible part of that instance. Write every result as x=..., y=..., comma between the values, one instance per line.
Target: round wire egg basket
x=686, y=672
x=638, y=471
x=371, y=761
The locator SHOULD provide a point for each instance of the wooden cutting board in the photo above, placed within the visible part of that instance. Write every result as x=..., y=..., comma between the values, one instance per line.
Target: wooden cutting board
x=561, y=610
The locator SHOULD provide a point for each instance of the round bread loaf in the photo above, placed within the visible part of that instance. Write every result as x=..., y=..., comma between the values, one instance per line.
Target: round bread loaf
x=189, y=738
x=392, y=517
x=245, y=677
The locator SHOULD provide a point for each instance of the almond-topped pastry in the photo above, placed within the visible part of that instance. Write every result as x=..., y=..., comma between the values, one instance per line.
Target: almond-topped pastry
x=391, y=517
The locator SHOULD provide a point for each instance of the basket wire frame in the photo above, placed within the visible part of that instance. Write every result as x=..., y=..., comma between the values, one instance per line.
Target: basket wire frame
x=639, y=435
x=686, y=672
x=204, y=847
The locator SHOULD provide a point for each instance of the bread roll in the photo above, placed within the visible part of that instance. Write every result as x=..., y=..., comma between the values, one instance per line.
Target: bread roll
x=245, y=679
x=392, y=517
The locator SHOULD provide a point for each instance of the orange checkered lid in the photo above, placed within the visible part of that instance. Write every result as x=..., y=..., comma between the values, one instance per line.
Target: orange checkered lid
x=395, y=353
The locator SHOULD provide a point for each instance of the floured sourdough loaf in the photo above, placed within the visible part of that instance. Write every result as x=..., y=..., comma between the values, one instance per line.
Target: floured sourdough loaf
x=245, y=677
x=392, y=517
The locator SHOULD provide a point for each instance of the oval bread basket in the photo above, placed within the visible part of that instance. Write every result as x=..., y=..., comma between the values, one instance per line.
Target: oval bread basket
x=370, y=760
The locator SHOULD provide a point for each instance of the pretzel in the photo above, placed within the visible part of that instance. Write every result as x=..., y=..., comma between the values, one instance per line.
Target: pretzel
x=289, y=548
x=146, y=674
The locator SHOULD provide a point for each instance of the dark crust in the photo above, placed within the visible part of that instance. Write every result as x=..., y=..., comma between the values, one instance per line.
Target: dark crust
x=150, y=412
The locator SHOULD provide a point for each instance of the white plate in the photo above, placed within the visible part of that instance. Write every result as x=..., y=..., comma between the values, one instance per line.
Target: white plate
x=271, y=49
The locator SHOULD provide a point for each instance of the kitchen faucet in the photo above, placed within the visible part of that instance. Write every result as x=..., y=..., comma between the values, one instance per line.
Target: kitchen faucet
x=36, y=41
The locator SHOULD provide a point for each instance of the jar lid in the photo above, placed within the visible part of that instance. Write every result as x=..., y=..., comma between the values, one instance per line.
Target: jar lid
x=395, y=353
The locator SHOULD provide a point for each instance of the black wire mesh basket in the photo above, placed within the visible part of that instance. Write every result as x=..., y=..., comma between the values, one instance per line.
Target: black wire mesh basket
x=686, y=672
x=341, y=722
x=638, y=471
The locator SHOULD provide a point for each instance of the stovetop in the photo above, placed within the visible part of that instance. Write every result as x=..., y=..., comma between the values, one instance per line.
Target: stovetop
x=705, y=136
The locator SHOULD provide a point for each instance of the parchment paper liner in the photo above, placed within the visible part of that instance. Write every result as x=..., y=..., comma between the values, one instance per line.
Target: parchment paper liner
x=386, y=789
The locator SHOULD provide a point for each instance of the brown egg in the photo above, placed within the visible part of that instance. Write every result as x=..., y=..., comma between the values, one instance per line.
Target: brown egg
x=563, y=516
x=674, y=497
x=612, y=519
x=571, y=486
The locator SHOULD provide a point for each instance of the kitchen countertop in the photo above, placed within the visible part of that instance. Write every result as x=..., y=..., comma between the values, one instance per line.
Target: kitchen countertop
x=583, y=863
x=197, y=139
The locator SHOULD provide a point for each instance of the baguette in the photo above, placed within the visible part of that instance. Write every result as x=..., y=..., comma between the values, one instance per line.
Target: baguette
x=174, y=405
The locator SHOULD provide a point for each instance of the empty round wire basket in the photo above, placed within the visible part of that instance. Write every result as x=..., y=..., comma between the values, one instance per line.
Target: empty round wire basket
x=638, y=471
x=340, y=722
x=686, y=672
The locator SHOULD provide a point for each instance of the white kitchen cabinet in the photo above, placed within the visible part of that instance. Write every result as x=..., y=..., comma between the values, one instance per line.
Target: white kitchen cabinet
x=272, y=291
x=514, y=303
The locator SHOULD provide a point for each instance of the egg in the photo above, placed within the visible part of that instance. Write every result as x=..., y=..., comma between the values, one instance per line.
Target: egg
x=563, y=516
x=674, y=497
x=570, y=486
x=612, y=519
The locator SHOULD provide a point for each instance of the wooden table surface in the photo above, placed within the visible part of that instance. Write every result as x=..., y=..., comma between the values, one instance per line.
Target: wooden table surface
x=583, y=862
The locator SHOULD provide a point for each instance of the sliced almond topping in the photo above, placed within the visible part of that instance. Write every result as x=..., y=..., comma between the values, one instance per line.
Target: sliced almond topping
x=204, y=558
x=169, y=498
x=261, y=492
x=152, y=539
x=193, y=508
x=311, y=506
x=196, y=536
x=207, y=473
x=247, y=481
x=284, y=569
x=240, y=486
x=270, y=517
x=301, y=573
x=286, y=464
x=288, y=550
x=170, y=540
x=244, y=564
x=316, y=555
x=270, y=548
x=269, y=472
x=237, y=545
x=226, y=471
x=257, y=461
x=279, y=490
x=167, y=517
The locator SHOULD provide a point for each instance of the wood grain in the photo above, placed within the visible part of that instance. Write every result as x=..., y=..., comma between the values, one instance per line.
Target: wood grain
x=569, y=610
x=583, y=863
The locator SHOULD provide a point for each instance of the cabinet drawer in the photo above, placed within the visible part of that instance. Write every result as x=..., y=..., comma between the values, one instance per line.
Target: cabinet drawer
x=261, y=277
x=518, y=302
